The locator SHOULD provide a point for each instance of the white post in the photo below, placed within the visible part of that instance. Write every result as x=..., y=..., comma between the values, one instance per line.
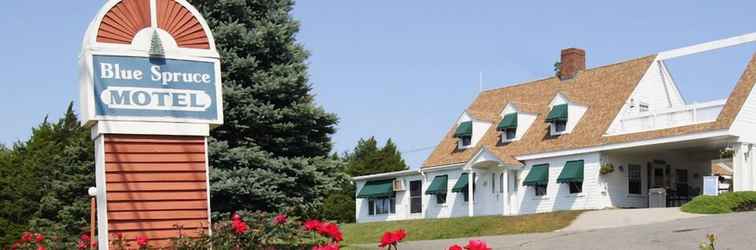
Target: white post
x=742, y=174
x=505, y=206
x=470, y=194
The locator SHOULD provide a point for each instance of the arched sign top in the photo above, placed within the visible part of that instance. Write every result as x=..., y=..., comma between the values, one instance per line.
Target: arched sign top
x=150, y=61
x=130, y=24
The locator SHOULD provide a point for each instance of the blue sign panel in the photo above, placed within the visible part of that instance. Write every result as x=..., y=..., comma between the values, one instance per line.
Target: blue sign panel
x=140, y=87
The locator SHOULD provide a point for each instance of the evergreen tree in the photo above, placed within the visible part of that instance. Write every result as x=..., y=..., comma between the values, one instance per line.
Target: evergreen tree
x=271, y=154
x=44, y=181
x=366, y=159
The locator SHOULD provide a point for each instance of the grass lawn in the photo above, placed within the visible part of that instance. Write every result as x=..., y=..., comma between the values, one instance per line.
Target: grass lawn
x=464, y=227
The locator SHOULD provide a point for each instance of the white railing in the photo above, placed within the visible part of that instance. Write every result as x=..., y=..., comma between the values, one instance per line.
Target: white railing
x=670, y=117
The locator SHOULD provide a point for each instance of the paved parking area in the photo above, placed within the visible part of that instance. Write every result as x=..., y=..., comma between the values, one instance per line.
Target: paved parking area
x=735, y=231
x=611, y=218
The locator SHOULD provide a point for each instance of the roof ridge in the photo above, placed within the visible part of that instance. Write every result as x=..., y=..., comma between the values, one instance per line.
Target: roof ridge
x=528, y=82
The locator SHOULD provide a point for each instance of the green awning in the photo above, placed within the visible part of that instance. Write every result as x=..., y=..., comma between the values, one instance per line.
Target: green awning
x=558, y=113
x=509, y=121
x=464, y=130
x=377, y=189
x=439, y=185
x=538, y=175
x=572, y=172
x=461, y=185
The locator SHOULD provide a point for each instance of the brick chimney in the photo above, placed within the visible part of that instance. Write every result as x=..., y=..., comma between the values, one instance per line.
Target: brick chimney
x=573, y=60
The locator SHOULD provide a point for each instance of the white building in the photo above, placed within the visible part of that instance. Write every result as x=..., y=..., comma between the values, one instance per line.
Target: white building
x=540, y=146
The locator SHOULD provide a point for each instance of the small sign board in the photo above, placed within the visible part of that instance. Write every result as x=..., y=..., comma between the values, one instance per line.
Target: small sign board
x=711, y=185
x=155, y=89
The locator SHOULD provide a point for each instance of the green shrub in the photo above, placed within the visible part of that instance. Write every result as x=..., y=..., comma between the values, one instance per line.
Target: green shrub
x=724, y=203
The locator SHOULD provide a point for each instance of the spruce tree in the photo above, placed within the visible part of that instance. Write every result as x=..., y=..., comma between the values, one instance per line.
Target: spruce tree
x=271, y=154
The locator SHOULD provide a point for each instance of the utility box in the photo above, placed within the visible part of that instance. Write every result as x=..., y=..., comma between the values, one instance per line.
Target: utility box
x=657, y=197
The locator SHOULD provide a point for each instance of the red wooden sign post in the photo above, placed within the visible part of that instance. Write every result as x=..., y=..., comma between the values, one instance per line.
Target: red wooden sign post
x=151, y=91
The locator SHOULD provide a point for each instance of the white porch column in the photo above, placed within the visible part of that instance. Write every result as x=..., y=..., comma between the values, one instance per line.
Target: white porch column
x=743, y=174
x=505, y=207
x=470, y=194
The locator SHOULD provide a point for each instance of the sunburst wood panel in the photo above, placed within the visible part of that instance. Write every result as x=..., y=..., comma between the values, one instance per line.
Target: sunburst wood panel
x=181, y=24
x=124, y=21
x=156, y=185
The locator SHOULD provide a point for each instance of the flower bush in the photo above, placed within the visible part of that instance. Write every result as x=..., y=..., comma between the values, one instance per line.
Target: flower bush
x=260, y=230
x=30, y=240
x=392, y=239
x=241, y=231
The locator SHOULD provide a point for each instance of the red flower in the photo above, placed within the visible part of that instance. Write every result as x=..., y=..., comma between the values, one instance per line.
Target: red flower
x=311, y=225
x=399, y=235
x=332, y=246
x=455, y=247
x=39, y=238
x=392, y=238
x=280, y=219
x=142, y=241
x=477, y=245
x=239, y=226
x=85, y=237
x=40, y=247
x=26, y=236
x=236, y=217
x=81, y=245
x=331, y=230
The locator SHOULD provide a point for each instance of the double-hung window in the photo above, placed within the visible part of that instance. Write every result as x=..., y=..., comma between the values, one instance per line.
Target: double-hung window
x=382, y=206
x=538, y=178
x=464, y=133
x=558, y=118
x=508, y=127
x=572, y=175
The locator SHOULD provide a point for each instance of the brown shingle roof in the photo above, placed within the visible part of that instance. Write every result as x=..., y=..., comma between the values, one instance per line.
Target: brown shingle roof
x=603, y=90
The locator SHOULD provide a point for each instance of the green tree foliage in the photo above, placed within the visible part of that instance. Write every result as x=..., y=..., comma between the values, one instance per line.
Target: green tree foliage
x=44, y=181
x=271, y=154
x=366, y=159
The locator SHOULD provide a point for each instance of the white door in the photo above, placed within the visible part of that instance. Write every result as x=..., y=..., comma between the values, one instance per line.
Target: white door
x=513, y=187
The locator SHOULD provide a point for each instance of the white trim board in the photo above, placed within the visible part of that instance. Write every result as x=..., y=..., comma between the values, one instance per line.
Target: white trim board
x=710, y=134
x=150, y=128
x=708, y=46
x=102, y=194
x=386, y=175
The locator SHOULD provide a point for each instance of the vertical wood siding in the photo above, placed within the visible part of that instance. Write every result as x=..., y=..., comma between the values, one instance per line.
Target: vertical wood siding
x=182, y=25
x=154, y=185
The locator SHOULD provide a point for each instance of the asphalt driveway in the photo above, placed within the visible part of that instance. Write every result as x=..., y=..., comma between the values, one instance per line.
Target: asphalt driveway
x=735, y=231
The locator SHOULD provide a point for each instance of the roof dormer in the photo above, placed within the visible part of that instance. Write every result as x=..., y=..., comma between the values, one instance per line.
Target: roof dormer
x=514, y=123
x=469, y=131
x=563, y=115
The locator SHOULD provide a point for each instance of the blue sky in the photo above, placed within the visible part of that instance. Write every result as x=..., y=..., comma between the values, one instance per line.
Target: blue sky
x=405, y=69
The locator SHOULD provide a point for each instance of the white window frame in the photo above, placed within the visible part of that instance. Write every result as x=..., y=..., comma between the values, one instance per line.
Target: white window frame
x=552, y=127
x=504, y=135
x=373, y=211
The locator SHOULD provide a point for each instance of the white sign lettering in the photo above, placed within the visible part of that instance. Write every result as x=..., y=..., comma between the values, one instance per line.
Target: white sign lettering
x=155, y=99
